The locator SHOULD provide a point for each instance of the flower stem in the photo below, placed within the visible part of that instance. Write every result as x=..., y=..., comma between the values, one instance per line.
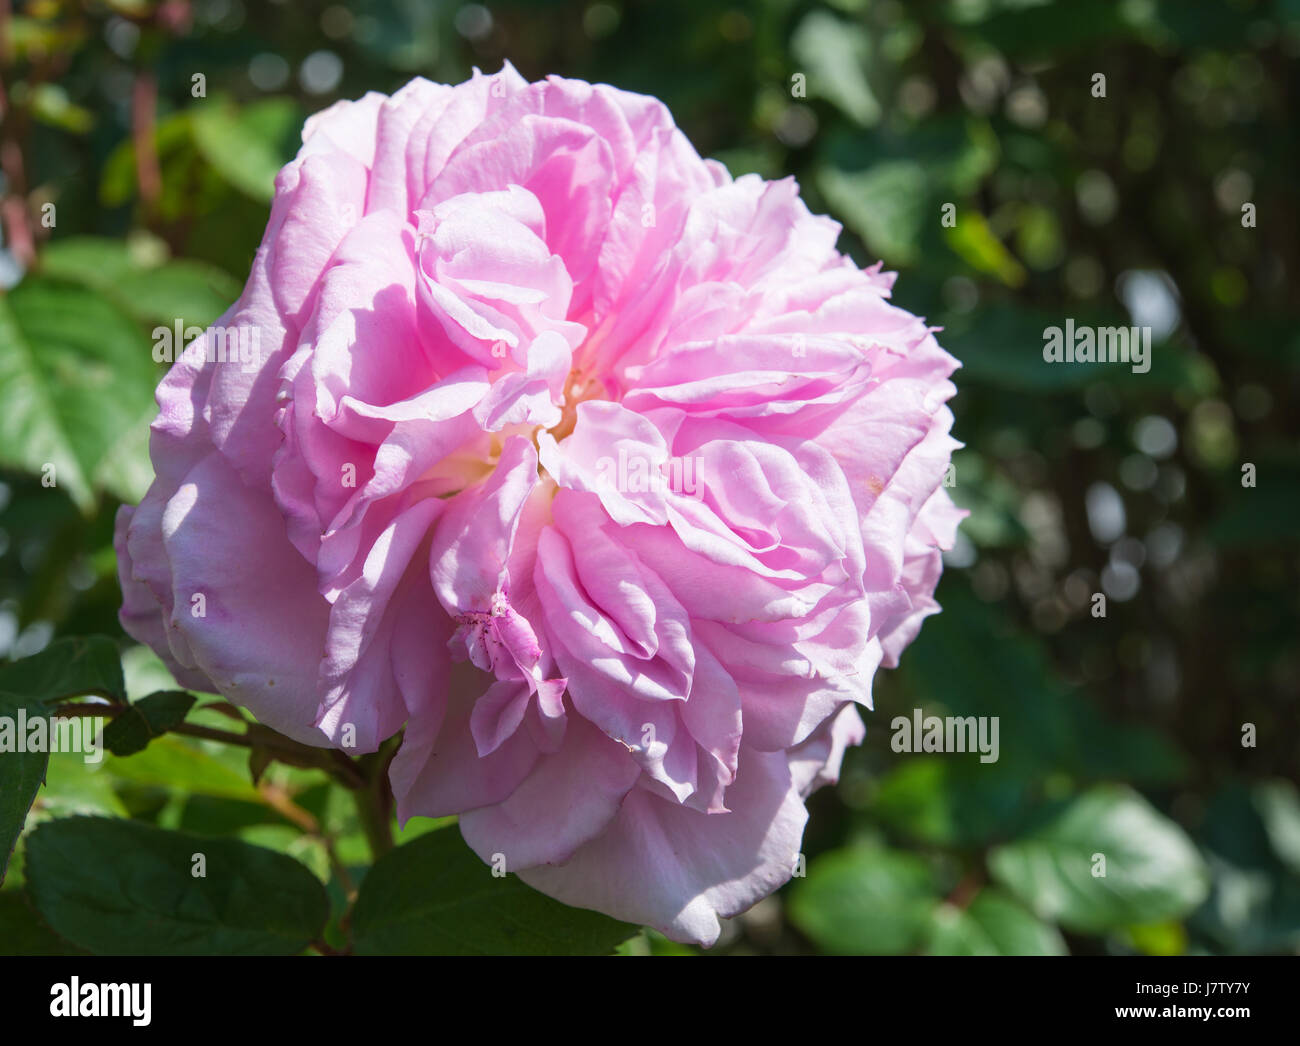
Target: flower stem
x=373, y=811
x=374, y=799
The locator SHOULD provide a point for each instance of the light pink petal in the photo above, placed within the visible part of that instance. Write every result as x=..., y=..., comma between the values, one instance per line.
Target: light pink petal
x=226, y=543
x=689, y=868
x=568, y=799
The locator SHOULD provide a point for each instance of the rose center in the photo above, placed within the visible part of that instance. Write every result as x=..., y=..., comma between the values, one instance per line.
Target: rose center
x=580, y=387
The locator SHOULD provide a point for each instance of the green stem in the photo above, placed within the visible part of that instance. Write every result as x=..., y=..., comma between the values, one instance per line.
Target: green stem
x=373, y=810
x=374, y=799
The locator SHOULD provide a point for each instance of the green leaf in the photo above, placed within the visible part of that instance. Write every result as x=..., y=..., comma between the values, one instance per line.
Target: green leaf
x=1254, y=904
x=1104, y=749
x=1251, y=911
x=951, y=800
x=864, y=900
x=884, y=204
x=993, y=924
x=174, y=764
x=21, y=775
x=993, y=501
x=835, y=53
x=94, y=261
x=120, y=887
x=190, y=291
x=64, y=669
x=1152, y=870
x=973, y=240
x=433, y=896
x=146, y=719
x=67, y=668
x=1032, y=31
x=75, y=374
x=247, y=146
x=23, y=933
x=1279, y=810
x=49, y=104
x=150, y=289
x=1163, y=938
x=126, y=469
x=956, y=152
x=75, y=783
x=649, y=942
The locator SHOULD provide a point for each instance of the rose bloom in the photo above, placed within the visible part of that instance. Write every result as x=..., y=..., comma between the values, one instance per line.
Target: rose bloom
x=597, y=471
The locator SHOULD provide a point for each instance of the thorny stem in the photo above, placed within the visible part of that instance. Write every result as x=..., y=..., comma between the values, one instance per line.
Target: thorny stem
x=332, y=761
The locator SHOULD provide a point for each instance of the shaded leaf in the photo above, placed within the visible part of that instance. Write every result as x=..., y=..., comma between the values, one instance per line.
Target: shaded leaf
x=150, y=717
x=120, y=887
x=1279, y=810
x=23, y=933
x=951, y=801
x=21, y=776
x=993, y=924
x=67, y=668
x=864, y=900
x=1152, y=870
x=433, y=896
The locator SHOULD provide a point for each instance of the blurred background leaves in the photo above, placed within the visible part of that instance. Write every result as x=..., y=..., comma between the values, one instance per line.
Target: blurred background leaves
x=1164, y=735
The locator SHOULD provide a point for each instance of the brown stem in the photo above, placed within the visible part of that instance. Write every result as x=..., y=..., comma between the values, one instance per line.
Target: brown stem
x=331, y=760
x=19, y=235
x=279, y=801
x=144, y=105
x=342, y=769
x=226, y=709
x=964, y=892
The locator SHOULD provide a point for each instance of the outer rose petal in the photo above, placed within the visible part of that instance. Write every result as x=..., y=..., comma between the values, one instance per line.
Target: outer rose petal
x=689, y=868
x=140, y=616
x=568, y=798
x=226, y=543
x=816, y=762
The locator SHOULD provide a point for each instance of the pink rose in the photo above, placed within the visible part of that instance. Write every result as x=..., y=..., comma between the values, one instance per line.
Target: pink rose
x=600, y=472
